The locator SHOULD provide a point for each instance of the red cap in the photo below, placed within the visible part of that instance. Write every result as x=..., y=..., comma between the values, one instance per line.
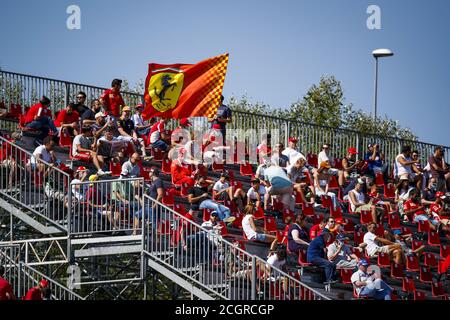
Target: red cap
x=216, y=126
x=352, y=151
x=439, y=194
x=139, y=106
x=185, y=122
x=43, y=283
x=292, y=139
x=81, y=168
x=182, y=151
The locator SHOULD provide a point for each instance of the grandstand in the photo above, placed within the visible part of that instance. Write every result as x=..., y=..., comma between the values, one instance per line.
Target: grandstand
x=46, y=233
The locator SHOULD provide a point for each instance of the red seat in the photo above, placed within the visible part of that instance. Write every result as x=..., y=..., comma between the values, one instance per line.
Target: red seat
x=165, y=167
x=379, y=180
x=358, y=237
x=394, y=220
x=277, y=205
x=336, y=213
x=298, y=198
x=412, y=263
x=168, y=199
x=302, y=261
x=397, y=271
x=346, y=275
x=230, y=205
x=224, y=229
x=437, y=290
x=406, y=231
x=317, y=218
x=65, y=140
x=445, y=250
x=349, y=226
x=312, y=159
x=334, y=185
x=350, y=209
x=184, y=190
x=384, y=260
x=434, y=239
x=326, y=201
x=425, y=275
x=246, y=169
x=430, y=260
x=308, y=209
x=207, y=214
x=270, y=224
x=115, y=168
x=389, y=191
x=365, y=217
x=237, y=223
x=157, y=154
x=338, y=164
x=419, y=295
x=416, y=244
x=288, y=213
x=259, y=214
x=379, y=230
x=424, y=226
x=179, y=208
x=15, y=111
x=408, y=285
x=218, y=166
x=357, y=252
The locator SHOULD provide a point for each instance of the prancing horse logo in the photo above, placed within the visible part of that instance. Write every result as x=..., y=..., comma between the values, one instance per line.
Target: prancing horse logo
x=164, y=89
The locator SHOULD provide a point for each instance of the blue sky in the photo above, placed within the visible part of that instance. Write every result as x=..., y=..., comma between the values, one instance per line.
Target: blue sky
x=278, y=49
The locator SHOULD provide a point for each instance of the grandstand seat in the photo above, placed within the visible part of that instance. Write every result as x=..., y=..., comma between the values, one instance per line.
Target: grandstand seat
x=165, y=167
x=365, y=217
x=168, y=199
x=397, y=271
x=302, y=261
x=358, y=237
x=379, y=230
x=437, y=290
x=246, y=169
x=259, y=214
x=419, y=295
x=357, y=252
x=237, y=223
x=277, y=205
x=115, y=168
x=338, y=164
x=389, y=191
x=425, y=274
x=334, y=185
x=336, y=213
x=412, y=263
x=157, y=154
x=288, y=213
x=15, y=111
x=383, y=260
x=408, y=285
x=312, y=159
x=349, y=226
x=298, y=198
x=308, y=209
x=346, y=275
x=349, y=208
x=179, y=208
x=270, y=225
x=224, y=229
x=359, y=297
x=207, y=214
x=416, y=244
x=184, y=189
x=65, y=140
x=434, y=239
x=326, y=201
x=430, y=260
x=379, y=180
x=230, y=205
x=444, y=250
x=236, y=184
x=423, y=226
x=394, y=221
x=218, y=166
x=406, y=230
x=317, y=218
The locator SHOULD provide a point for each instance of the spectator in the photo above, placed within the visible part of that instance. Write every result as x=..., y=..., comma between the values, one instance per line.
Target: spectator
x=358, y=202
x=280, y=187
x=117, y=147
x=264, y=149
x=82, y=149
x=88, y=116
x=252, y=232
x=375, y=198
x=181, y=172
x=439, y=170
x=6, y=291
x=316, y=229
x=438, y=210
x=330, y=226
x=199, y=199
x=80, y=106
x=297, y=174
x=157, y=135
x=402, y=190
x=130, y=168
x=316, y=256
x=324, y=157
x=404, y=240
x=278, y=158
x=47, y=293
x=322, y=182
x=39, y=117
x=79, y=189
x=127, y=132
x=256, y=193
x=112, y=100
x=261, y=169
x=403, y=164
x=214, y=228
x=292, y=151
x=181, y=136
x=375, y=161
x=9, y=159
x=45, y=153
x=100, y=125
x=298, y=234
x=373, y=249
x=370, y=285
x=36, y=293
x=142, y=127
x=340, y=254
x=223, y=116
x=212, y=147
x=277, y=260
x=67, y=120
x=349, y=164
x=224, y=191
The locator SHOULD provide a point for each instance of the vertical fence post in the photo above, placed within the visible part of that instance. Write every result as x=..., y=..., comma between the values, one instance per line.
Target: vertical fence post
x=287, y=133
x=69, y=222
x=254, y=277
x=357, y=144
x=67, y=96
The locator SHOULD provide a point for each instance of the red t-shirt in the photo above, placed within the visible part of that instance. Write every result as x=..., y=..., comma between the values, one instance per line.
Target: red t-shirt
x=113, y=102
x=32, y=113
x=179, y=171
x=5, y=288
x=65, y=118
x=409, y=205
x=315, y=231
x=33, y=294
x=436, y=208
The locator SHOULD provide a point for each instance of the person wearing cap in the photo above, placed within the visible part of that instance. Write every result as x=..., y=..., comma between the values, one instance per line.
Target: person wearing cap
x=214, y=228
x=112, y=100
x=324, y=156
x=438, y=210
x=359, y=202
x=222, y=190
x=100, y=125
x=82, y=149
x=322, y=180
x=6, y=290
x=36, y=293
x=370, y=285
x=141, y=126
x=125, y=126
x=39, y=117
x=340, y=254
x=256, y=193
x=222, y=117
x=349, y=163
x=88, y=116
x=292, y=151
x=375, y=160
x=79, y=189
x=68, y=120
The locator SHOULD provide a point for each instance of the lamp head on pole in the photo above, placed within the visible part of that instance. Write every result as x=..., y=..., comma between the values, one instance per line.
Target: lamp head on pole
x=380, y=53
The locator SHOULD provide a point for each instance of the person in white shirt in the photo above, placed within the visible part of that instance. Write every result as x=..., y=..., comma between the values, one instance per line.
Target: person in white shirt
x=255, y=194
x=323, y=156
x=404, y=165
x=222, y=190
x=358, y=202
x=260, y=171
x=82, y=149
x=252, y=232
x=141, y=126
x=277, y=260
x=370, y=285
x=45, y=153
x=340, y=254
x=291, y=151
x=373, y=249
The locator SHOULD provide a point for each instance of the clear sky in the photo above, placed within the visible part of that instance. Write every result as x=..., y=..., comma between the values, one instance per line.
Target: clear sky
x=278, y=49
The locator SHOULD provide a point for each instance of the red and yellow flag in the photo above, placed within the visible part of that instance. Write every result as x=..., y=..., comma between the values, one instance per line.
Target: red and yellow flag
x=185, y=90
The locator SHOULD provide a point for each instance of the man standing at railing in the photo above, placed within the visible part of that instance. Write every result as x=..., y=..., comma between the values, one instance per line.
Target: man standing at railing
x=112, y=100
x=39, y=117
x=37, y=292
x=222, y=117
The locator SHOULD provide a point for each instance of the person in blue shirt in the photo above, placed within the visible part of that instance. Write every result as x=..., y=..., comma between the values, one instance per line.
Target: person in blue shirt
x=316, y=255
x=375, y=160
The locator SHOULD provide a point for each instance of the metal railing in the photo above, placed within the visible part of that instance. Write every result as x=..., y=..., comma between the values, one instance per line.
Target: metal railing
x=106, y=205
x=35, y=185
x=206, y=258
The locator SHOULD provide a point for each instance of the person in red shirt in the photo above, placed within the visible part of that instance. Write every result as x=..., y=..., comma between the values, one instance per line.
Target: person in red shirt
x=67, y=119
x=36, y=293
x=39, y=117
x=181, y=172
x=437, y=209
x=112, y=99
x=6, y=292
x=316, y=230
x=157, y=136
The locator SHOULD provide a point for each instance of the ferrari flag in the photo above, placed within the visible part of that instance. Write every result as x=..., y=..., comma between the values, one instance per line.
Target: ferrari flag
x=185, y=90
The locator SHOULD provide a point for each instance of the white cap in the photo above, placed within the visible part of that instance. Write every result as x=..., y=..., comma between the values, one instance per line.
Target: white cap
x=99, y=114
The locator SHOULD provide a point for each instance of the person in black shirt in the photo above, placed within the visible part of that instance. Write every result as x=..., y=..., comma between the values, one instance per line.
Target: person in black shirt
x=223, y=116
x=79, y=106
x=88, y=117
x=125, y=126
